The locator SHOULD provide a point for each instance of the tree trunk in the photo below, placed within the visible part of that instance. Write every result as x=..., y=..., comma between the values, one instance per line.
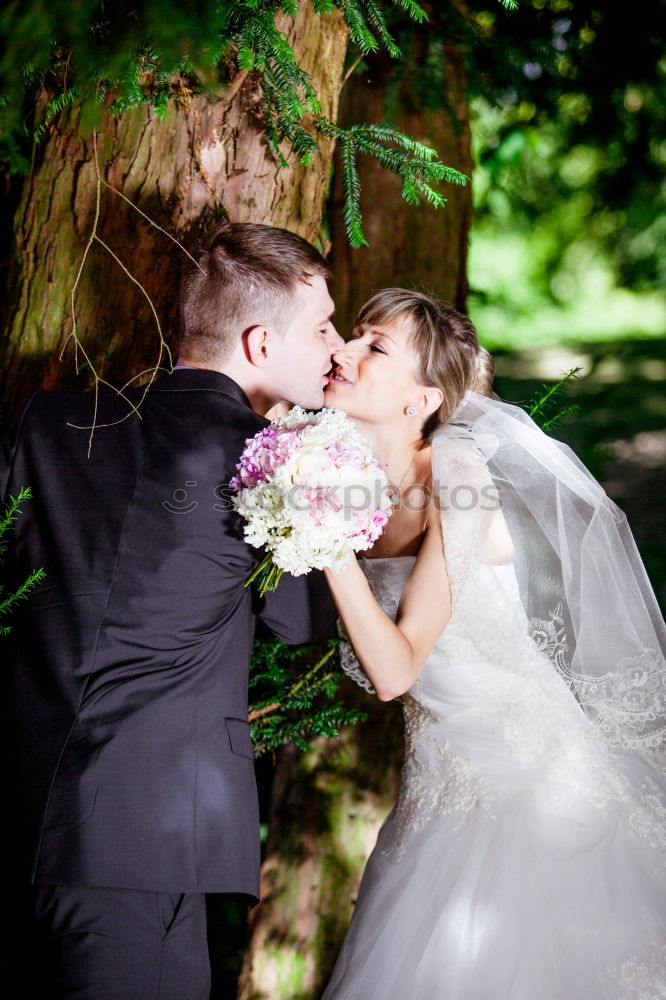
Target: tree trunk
x=326, y=809
x=409, y=246
x=207, y=160
x=328, y=805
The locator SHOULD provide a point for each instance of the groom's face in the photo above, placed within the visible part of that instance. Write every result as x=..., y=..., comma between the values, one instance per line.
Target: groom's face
x=304, y=360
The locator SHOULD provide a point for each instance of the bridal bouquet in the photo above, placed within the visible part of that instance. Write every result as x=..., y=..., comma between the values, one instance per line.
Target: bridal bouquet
x=309, y=488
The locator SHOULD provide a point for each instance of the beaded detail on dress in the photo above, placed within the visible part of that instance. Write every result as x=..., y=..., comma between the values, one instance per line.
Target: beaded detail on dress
x=643, y=980
x=434, y=782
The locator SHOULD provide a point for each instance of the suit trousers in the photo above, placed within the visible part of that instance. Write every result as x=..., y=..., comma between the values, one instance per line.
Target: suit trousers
x=98, y=943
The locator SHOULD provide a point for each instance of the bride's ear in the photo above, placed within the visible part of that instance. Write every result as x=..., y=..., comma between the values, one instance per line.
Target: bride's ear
x=428, y=400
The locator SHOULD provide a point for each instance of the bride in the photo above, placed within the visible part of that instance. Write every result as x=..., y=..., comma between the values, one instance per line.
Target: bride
x=507, y=607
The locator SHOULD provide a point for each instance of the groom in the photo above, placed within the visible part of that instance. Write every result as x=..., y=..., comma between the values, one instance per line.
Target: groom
x=131, y=754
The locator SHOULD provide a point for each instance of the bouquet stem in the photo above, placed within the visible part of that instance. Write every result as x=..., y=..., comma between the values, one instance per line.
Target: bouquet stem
x=267, y=575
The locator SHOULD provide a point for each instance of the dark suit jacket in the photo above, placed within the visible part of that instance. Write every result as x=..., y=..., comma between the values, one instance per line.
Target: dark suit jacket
x=128, y=692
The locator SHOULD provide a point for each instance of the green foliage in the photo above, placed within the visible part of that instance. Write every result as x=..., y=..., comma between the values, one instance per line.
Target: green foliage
x=53, y=108
x=411, y=160
x=540, y=408
x=292, y=699
x=8, y=602
x=126, y=55
x=552, y=274
x=570, y=136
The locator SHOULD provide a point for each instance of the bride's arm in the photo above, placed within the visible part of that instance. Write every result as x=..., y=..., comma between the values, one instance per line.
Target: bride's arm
x=393, y=655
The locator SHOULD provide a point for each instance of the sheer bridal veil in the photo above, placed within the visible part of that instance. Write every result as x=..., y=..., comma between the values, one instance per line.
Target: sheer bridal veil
x=508, y=492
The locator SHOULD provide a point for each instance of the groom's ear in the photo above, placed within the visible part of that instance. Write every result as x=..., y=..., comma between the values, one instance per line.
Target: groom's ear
x=257, y=342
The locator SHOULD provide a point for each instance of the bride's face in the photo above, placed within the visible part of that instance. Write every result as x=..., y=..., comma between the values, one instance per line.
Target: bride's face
x=372, y=376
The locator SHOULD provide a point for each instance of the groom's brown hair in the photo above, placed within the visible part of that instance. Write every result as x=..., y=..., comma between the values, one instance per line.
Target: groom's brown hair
x=246, y=276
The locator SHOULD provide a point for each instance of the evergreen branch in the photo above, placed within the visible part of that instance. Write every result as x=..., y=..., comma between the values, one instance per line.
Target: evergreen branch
x=34, y=578
x=12, y=512
x=411, y=160
x=416, y=12
x=7, y=521
x=139, y=70
x=568, y=411
x=351, y=186
x=245, y=58
x=409, y=155
x=241, y=37
x=409, y=192
x=326, y=722
x=258, y=712
x=294, y=707
x=52, y=108
x=538, y=406
x=377, y=19
x=388, y=133
x=358, y=28
x=306, y=679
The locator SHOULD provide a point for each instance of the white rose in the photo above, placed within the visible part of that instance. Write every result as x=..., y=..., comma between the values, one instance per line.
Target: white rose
x=309, y=465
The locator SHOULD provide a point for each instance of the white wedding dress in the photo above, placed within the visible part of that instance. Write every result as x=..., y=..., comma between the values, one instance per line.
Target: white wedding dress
x=523, y=859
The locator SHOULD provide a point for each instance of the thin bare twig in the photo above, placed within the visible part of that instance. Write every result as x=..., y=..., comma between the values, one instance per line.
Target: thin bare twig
x=234, y=85
x=79, y=349
x=350, y=70
x=78, y=346
x=152, y=222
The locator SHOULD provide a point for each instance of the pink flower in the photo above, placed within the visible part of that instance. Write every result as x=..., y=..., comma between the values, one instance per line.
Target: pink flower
x=380, y=517
x=345, y=455
x=263, y=454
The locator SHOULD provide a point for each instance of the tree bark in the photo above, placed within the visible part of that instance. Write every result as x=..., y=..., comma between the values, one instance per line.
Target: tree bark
x=207, y=160
x=327, y=805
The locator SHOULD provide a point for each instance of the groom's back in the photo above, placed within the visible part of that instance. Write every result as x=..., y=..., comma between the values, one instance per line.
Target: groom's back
x=137, y=537
x=137, y=642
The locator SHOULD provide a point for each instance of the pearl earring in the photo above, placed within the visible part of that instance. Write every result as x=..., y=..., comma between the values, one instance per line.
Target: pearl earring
x=410, y=411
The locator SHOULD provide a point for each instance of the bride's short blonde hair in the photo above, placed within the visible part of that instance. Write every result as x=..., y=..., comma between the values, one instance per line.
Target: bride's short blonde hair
x=448, y=354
